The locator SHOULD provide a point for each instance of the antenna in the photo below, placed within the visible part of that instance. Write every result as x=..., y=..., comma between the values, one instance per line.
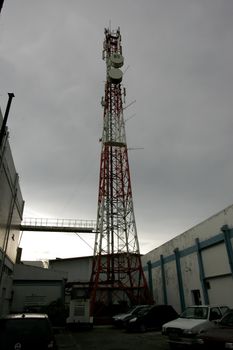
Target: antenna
x=126, y=70
x=132, y=116
x=84, y=240
x=130, y=104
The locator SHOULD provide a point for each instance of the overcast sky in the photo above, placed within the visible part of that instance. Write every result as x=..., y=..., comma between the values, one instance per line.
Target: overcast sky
x=180, y=58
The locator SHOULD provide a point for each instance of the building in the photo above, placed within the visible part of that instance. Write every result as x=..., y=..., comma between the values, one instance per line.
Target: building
x=195, y=267
x=78, y=275
x=11, y=212
x=35, y=288
x=78, y=269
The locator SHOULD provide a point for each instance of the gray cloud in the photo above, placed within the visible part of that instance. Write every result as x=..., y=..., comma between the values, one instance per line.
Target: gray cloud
x=180, y=55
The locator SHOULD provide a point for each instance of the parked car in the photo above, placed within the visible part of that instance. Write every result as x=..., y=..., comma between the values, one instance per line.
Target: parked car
x=152, y=318
x=26, y=332
x=220, y=336
x=193, y=321
x=118, y=320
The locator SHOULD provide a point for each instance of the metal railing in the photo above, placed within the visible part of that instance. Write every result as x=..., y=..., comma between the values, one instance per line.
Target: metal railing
x=57, y=224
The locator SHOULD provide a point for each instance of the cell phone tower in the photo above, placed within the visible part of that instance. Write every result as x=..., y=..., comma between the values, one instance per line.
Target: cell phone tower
x=117, y=274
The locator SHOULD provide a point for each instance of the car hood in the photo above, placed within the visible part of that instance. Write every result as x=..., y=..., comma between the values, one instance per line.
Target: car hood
x=185, y=323
x=120, y=316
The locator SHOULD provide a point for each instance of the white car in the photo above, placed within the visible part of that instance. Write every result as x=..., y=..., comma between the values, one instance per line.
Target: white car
x=193, y=321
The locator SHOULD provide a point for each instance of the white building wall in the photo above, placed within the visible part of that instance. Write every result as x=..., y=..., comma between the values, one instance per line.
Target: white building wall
x=156, y=276
x=216, y=261
x=217, y=281
x=204, y=230
x=78, y=269
x=190, y=277
x=221, y=289
x=171, y=284
x=11, y=211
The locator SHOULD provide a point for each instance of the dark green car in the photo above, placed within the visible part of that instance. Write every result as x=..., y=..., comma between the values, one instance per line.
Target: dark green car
x=151, y=319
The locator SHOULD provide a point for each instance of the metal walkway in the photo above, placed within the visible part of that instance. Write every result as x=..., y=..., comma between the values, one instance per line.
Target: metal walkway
x=58, y=225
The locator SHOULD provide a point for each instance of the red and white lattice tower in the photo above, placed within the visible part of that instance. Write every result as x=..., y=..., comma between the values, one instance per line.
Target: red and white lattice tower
x=117, y=274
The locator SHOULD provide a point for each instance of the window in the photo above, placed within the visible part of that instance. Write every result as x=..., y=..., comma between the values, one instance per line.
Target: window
x=224, y=309
x=228, y=320
x=215, y=314
x=196, y=296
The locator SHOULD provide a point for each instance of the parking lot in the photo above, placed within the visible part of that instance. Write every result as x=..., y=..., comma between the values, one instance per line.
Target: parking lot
x=109, y=338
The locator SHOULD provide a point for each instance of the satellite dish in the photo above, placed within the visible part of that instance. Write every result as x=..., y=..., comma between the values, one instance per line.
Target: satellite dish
x=117, y=60
x=115, y=75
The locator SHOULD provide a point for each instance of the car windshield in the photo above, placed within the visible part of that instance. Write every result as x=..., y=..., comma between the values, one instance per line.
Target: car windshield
x=227, y=320
x=143, y=310
x=195, y=312
x=131, y=310
x=136, y=310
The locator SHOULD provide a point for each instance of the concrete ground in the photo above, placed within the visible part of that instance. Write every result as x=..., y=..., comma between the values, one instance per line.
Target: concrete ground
x=109, y=338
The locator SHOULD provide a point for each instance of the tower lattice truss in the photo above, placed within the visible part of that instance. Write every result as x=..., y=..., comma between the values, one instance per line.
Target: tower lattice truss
x=117, y=273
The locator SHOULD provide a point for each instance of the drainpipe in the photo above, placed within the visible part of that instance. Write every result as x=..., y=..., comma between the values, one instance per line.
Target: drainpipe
x=163, y=279
x=179, y=278
x=226, y=232
x=2, y=151
x=3, y=127
x=3, y=132
x=202, y=272
x=150, y=280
